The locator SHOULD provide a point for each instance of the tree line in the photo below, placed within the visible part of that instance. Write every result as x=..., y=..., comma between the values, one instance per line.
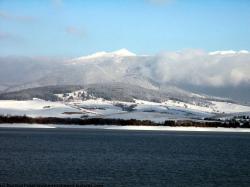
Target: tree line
x=122, y=122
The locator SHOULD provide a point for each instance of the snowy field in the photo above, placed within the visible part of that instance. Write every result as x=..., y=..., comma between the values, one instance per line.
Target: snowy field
x=137, y=128
x=36, y=108
x=139, y=109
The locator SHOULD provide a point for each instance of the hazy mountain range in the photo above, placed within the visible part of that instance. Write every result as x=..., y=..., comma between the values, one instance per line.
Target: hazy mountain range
x=221, y=73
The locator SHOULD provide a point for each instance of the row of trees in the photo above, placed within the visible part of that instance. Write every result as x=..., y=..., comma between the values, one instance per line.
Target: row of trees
x=121, y=122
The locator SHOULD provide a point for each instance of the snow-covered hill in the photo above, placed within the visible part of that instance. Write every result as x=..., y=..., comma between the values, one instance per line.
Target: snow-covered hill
x=142, y=110
x=220, y=73
x=84, y=104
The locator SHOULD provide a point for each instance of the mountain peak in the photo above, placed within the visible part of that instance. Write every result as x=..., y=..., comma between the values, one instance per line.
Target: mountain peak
x=228, y=52
x=103, y=54
x=123, y=52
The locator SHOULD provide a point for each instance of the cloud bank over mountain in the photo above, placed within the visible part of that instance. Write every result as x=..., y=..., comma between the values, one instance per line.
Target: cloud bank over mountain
x=200, y=68
x=221, y=72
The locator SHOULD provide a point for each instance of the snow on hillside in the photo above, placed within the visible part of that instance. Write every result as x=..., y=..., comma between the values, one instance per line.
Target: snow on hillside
x=36, y=108
x=146, y=110
x=228, y=52
x=80, y=104
x=225, y=107
x=220, y=73
x=104, y=54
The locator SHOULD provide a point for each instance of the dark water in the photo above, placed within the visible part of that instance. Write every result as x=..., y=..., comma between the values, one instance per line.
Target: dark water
x=124, y=158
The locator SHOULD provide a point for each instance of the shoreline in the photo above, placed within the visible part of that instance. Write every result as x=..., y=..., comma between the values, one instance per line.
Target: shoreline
x=128, y=127
x=124, y=122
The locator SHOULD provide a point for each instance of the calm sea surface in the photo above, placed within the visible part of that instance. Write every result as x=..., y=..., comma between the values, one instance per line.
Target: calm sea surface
x=124, y=158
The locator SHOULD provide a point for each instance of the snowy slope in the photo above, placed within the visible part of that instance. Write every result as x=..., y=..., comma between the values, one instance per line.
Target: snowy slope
x=84, y=105
x=36, y=108
x=219, y=73
x=103, y=54
x=228, y=52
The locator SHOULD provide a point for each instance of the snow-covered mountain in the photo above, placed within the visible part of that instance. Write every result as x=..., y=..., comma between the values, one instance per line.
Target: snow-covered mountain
x=103, y=54
x=174, y=72
x=228, y=52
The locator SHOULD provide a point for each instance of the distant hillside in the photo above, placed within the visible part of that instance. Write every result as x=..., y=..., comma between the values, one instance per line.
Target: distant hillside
x=114, y=91
x=46, y=93
x=111, y=91
x=192, y=71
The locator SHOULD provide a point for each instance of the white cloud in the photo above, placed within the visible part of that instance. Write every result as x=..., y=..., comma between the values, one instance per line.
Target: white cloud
x=188, y=67
x=197, y=67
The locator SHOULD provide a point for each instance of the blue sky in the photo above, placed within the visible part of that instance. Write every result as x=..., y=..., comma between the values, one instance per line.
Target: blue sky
x=76, y=28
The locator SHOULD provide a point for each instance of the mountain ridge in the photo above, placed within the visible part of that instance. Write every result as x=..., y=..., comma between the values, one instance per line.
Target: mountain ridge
x=103, y=54
x=150, y=72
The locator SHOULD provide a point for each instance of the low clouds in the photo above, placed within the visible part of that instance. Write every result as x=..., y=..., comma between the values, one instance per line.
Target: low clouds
x=222, y=73
x=199, y=68
x=188, y=67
